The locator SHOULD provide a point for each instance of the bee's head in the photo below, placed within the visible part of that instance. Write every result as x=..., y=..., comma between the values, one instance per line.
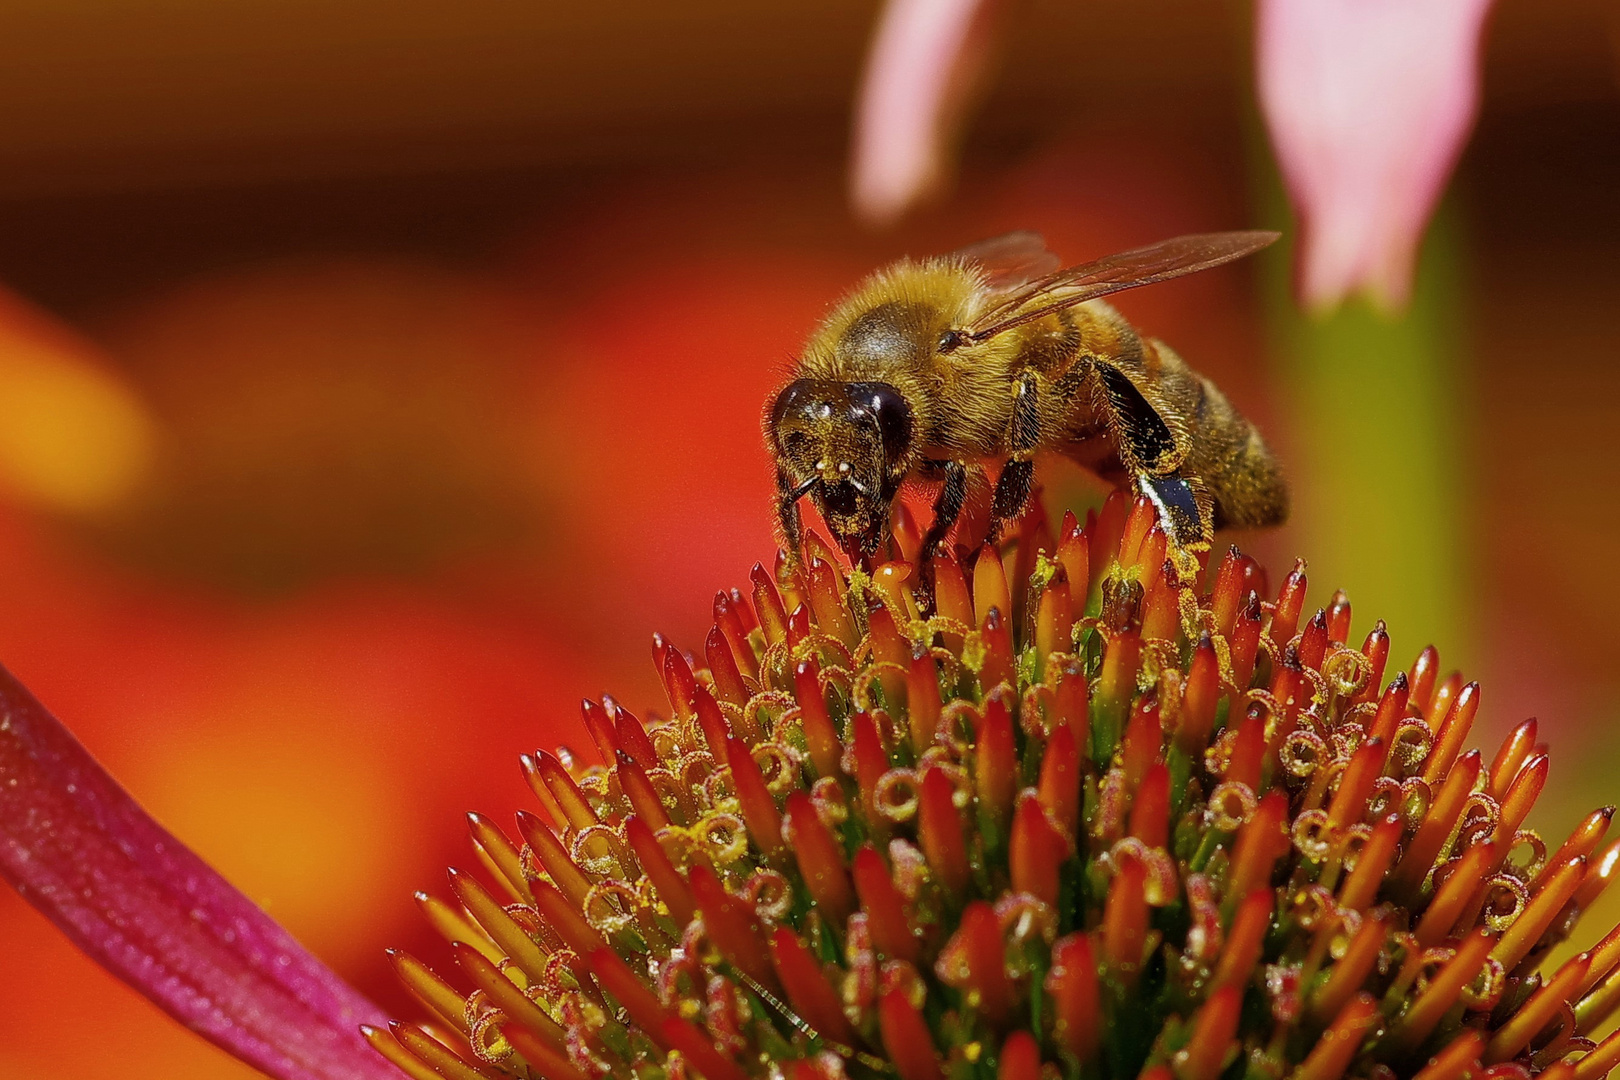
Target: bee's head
x=847, y=446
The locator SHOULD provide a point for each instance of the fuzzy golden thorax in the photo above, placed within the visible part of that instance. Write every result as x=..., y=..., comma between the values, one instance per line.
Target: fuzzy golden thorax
x=891, y=328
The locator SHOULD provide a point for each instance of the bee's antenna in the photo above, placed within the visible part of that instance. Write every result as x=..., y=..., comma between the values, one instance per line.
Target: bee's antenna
x=804, y=489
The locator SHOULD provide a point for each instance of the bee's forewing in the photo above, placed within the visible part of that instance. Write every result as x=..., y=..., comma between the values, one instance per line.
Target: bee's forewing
x=1127, y=270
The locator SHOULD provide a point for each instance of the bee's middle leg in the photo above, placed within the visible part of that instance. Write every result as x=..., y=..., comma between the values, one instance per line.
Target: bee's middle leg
x=1018, y=475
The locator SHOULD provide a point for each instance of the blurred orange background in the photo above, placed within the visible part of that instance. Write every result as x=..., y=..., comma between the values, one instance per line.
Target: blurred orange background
x=379, y=377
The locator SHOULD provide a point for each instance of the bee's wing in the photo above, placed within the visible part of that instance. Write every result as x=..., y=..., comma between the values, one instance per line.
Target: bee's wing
x=1143, y=266
x=1010, y=262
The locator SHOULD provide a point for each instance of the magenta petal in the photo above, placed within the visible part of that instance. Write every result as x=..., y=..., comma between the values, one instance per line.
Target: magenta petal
x=1368, y=103
x=137, y=900
x=926, y=57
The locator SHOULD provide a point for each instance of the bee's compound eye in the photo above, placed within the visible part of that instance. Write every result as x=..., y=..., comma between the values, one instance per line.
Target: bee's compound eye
x=795, y=443
x=890, y=411
x=798, y=398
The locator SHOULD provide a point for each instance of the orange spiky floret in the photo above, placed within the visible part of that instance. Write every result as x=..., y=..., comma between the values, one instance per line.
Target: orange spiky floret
x=1089, y=820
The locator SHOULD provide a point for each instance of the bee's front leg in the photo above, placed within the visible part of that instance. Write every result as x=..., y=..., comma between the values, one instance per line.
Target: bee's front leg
x=787, y=518
x=1018, y=475
x=947, y=508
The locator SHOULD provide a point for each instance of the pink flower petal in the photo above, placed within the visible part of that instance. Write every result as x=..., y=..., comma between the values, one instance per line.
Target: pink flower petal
x=1369, y=103
x=926, y=58
x=78, y=848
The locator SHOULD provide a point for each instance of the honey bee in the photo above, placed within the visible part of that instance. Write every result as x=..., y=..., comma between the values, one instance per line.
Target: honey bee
x=935, y=368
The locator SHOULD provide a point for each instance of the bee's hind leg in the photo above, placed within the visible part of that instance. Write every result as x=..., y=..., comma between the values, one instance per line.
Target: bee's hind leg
x=1183, y=512
x=1172, y=496
x=1018, y=475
